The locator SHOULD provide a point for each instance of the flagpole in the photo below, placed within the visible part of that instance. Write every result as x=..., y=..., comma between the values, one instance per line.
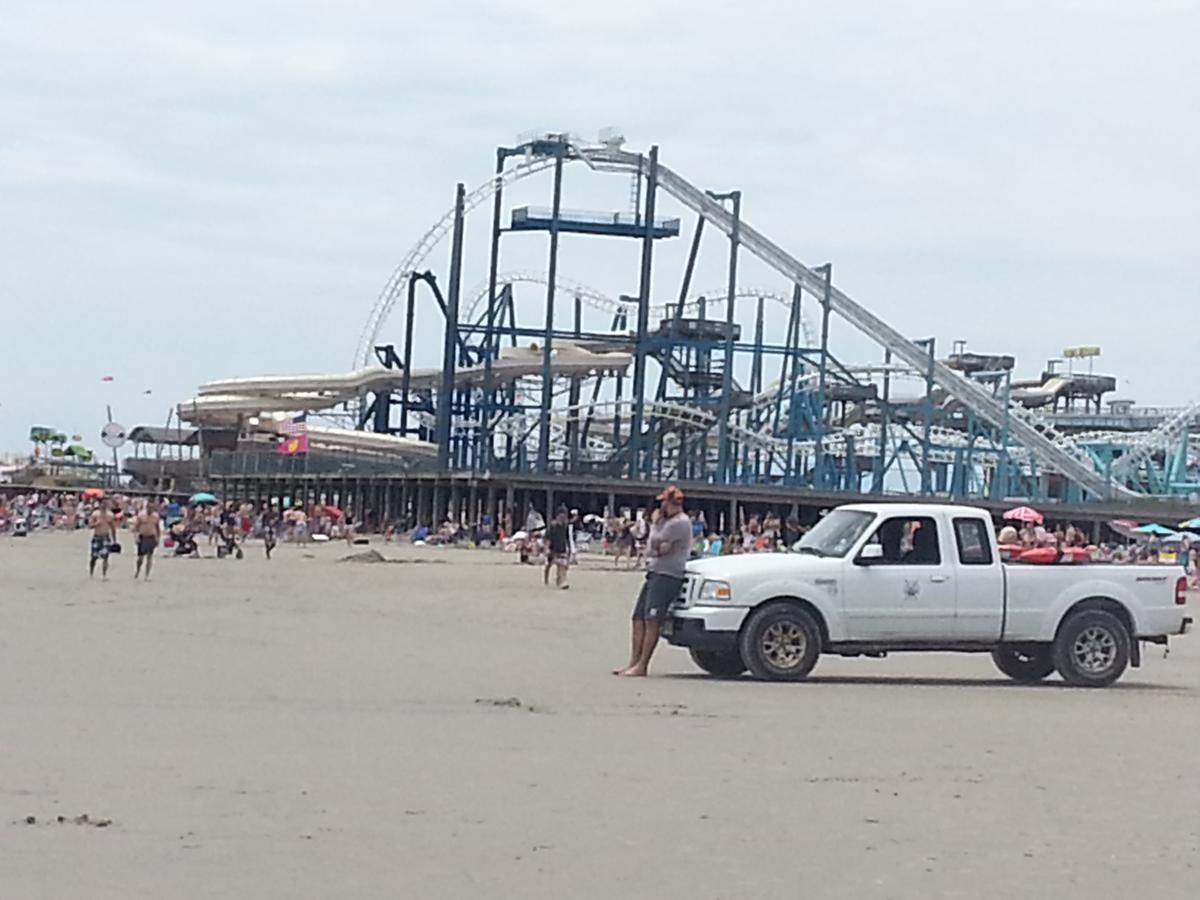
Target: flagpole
x=116, y=470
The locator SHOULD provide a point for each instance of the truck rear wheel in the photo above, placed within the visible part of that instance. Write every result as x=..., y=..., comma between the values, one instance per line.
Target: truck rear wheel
x=1027, y=664
x=1092, y=648
x=781, y=642
x=723, y=664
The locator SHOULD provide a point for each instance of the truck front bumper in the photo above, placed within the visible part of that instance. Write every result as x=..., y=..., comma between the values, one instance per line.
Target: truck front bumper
x=704, y=627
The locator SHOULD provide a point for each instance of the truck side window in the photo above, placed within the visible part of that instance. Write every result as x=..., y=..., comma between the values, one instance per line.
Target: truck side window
x=908, y=541
x=974, y=548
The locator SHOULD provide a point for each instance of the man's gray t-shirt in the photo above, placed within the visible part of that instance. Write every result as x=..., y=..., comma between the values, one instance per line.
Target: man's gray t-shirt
x=677, y=530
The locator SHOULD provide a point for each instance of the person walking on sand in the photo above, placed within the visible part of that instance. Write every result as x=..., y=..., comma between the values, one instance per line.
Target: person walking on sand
x=104, y=531
x=148, y=529
x=668, y=547
x=270, y=520
x=558, y=550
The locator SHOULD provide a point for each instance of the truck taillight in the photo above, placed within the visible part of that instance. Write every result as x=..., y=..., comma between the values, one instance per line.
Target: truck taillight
x=1181, y=592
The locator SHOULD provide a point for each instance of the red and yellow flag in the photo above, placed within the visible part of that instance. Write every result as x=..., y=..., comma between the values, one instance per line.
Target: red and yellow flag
x=293, y=445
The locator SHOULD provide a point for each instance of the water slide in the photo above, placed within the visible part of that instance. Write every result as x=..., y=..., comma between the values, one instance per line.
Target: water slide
x=272, y=398
x=1034, y=395
x=1037, y=394
x=321, y=437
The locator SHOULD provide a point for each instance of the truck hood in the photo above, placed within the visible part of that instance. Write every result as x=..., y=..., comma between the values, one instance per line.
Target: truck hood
x=759, y=565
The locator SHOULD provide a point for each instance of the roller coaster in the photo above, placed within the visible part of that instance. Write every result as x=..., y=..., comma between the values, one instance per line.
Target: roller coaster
x=697, y=387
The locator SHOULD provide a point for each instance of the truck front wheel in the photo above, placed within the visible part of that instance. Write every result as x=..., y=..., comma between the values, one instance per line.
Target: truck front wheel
x=1092, y=648
x=722, y=663
x=1027, y=664
x=781, y=642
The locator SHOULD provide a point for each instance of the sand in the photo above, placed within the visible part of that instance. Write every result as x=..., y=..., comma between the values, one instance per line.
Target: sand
x=308, y=728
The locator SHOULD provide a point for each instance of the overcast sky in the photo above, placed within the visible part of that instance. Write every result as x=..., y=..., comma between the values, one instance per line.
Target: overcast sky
x=197, y=191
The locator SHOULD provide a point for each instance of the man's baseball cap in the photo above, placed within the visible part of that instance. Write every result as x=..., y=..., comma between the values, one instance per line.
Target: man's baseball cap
x=671, y=494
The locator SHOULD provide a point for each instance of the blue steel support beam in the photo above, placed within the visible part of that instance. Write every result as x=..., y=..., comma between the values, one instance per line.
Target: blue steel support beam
x=450, y=345
x=543, y=458
x=881, y=461
x=927, y=409
x=409, y=315
x=822, y=376
x=792, y=360
x=488, y=342
x=724, y=457
x=643, y=315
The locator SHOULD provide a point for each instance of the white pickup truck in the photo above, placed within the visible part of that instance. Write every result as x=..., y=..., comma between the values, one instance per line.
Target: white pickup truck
x=871, y=579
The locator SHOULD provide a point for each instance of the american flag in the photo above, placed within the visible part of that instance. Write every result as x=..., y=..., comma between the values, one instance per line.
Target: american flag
x=296, y=426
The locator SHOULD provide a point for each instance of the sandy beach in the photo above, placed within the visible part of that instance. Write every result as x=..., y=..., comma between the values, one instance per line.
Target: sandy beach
x=447, y=727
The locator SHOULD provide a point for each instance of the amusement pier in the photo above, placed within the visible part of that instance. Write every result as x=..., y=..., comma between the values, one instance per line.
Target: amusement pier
x=542, y=389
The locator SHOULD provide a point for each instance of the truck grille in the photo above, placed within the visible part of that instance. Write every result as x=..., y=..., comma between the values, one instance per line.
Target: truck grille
x=687, y=591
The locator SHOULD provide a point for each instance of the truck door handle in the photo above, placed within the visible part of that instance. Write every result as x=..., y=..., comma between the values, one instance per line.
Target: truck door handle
x=939, y=579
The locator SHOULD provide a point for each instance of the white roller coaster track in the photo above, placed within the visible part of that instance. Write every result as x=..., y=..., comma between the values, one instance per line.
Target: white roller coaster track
x=866, y=438
x=597, y=299
x=398, y=282
x=592, y=297
x=1150, y=442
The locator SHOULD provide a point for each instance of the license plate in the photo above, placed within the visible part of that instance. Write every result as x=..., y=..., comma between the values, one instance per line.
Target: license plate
x=668, y=627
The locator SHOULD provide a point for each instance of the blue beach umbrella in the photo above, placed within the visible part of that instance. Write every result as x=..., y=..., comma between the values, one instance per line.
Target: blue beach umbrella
x=1154, y=528
x=203, y=497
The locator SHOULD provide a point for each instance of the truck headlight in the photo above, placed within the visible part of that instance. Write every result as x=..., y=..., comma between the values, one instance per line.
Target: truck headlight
x=714, y=592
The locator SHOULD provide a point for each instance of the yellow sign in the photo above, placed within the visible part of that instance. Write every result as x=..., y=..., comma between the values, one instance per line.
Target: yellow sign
x=1080, y=352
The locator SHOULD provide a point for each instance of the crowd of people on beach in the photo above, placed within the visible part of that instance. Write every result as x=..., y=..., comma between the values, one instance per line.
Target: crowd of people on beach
x=624, y=537
x=183, y=528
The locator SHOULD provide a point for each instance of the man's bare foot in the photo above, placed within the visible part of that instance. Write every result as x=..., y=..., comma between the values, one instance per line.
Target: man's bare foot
x=621, y=670
x=634, y=672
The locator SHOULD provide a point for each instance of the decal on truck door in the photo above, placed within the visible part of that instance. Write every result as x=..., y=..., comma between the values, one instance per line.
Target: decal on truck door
x=912, y=588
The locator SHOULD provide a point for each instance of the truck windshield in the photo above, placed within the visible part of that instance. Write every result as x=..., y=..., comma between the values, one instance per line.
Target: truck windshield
x=835, y=534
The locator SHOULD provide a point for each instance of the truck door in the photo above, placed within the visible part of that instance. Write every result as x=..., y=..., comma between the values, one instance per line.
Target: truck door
x=908, y=592
x=980, y=586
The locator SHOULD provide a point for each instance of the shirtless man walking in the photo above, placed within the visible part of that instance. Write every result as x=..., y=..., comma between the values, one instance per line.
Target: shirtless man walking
x=104, y=531
x=148, y=528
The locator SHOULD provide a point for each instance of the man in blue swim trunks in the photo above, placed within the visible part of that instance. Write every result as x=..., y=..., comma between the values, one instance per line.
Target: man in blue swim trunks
x=104, y=531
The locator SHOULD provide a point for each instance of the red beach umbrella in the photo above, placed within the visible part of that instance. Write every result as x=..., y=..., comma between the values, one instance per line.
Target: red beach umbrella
x=1024, y=514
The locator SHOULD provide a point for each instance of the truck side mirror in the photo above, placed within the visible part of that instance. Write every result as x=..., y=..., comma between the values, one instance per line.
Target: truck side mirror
x=869, y=555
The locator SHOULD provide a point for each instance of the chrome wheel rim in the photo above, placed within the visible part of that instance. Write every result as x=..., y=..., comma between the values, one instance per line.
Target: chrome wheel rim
x=784, y=644
x=1095, y=650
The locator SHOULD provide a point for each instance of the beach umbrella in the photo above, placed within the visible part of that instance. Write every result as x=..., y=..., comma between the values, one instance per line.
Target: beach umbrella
x=93, y=493
x=202, y=498
x=1124, y=527
x=1154, y=528
x=1024, y=514
x=1191, y=524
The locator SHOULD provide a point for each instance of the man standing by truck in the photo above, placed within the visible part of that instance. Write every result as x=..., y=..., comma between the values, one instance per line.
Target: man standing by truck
x=667, y=550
